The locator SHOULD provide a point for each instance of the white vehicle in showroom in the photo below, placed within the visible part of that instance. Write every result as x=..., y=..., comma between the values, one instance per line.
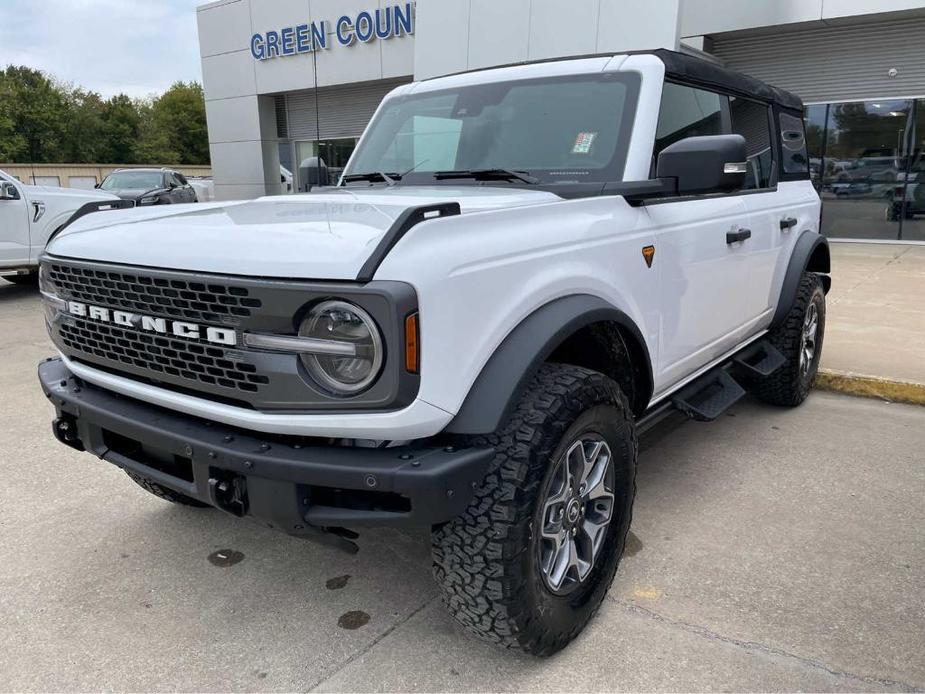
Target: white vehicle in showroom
x=29, y=215
x=521, y=270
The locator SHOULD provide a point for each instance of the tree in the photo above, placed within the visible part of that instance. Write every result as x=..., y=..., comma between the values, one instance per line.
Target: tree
x=38, y=111
x=121, y=131
x=174, y=126
x=12, y=144
x=84, y=133
x=44, y=121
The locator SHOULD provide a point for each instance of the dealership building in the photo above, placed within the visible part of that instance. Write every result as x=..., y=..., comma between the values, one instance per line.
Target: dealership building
x=290, y=80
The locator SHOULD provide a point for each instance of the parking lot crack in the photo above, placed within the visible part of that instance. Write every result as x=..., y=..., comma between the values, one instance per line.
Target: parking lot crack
x=892, y=685
x=372, y=644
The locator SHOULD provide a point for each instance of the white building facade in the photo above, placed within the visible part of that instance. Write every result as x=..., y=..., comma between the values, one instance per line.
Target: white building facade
x=290, y=80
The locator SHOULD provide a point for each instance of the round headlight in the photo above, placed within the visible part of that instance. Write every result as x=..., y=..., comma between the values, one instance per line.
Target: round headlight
x=342, y=323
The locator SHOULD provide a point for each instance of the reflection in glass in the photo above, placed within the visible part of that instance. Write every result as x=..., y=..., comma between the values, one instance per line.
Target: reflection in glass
x=866, y=153
x=814, y=121
x=911, y=206
x=332, y=154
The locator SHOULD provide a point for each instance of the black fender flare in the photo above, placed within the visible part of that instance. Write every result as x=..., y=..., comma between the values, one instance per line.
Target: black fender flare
x=811, y=252
x=506, y=374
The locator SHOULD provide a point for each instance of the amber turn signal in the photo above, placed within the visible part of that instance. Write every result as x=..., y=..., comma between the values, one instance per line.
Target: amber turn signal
x=412, y=354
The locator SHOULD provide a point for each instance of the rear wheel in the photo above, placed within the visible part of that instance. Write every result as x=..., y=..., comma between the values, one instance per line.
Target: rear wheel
x=527, y=565
x=799, y=339
x=164, y=493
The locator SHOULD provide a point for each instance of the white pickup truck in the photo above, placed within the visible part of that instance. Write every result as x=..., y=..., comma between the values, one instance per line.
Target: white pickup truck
x=521, y=270
x=29, y=215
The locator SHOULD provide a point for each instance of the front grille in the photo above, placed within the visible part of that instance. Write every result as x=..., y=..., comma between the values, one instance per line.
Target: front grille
x=199, y=302
x=162, y=355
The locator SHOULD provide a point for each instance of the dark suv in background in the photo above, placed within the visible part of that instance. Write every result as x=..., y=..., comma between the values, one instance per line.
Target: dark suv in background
x=149, y=186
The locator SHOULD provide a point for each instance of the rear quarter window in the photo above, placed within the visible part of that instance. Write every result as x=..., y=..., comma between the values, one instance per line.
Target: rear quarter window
x=794, y=158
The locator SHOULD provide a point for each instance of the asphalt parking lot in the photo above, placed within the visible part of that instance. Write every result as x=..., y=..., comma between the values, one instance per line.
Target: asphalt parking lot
x=772, y=550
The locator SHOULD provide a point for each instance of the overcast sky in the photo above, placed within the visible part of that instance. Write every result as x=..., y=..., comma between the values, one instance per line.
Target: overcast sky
x=138, y=47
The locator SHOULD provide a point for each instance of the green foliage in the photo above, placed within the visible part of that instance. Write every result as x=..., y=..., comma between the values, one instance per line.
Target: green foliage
x=122, y=124
x=12, y=144
x=38, y=110
x=174, y=129
x=43, y=121
x=84, y=132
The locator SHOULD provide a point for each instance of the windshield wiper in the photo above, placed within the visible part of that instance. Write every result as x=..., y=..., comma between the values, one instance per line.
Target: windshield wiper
x=488, y=174
x=372, y=176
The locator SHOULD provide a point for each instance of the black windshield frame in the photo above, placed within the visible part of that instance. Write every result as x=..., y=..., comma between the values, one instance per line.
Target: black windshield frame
x=612, y=171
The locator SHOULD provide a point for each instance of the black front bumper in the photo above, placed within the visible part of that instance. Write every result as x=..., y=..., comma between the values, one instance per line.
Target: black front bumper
x=286, y=483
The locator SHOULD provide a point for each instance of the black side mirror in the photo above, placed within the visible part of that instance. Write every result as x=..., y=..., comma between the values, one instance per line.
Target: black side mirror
x=8, y=191
x=707, y=164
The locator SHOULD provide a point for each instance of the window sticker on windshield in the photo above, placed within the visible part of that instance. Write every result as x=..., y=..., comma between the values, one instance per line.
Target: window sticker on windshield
x=583, y=143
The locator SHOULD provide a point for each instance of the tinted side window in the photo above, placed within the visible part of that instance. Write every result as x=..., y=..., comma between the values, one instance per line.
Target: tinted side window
x=752, y=120
x=793, y=145
x=687, y=112
x=181, y=178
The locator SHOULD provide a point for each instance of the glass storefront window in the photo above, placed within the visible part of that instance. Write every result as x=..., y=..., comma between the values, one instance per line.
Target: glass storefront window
x=333, y=153
x=913, y=212
x=865, y=151
x=814, y=121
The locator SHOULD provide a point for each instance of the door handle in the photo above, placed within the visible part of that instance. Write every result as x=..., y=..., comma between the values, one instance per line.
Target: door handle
x=736, y=236
x=787, y=223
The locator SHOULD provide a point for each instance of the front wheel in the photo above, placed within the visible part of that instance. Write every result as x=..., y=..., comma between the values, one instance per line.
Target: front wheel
x=527, y=565
x=799, y=339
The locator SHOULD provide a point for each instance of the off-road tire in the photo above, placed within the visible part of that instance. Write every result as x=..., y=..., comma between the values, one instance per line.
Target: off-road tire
x=789, y=385
x=486, y=561
x=165, y=493
x=27, y=279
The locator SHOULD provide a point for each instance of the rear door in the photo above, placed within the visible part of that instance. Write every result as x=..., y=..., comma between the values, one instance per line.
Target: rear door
x=703, y=279
x=763, y=202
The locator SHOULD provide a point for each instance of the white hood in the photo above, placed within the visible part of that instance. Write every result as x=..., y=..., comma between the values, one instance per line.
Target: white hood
x=323, y=235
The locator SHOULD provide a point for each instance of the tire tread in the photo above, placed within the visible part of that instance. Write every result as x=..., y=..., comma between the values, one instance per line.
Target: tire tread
x=474, y=556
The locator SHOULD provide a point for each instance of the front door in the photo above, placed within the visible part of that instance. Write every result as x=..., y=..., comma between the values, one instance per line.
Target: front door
x=703, y=278
x=14, y=230
x=703, y=282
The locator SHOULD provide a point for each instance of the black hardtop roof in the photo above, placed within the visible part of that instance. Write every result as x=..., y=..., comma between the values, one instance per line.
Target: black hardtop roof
x=687, y=68
x=690, y=68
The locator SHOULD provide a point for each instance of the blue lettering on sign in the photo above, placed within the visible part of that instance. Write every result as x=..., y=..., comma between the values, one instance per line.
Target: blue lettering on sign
x=382, y=24
x=258, y=47
x=320, y=35
x=345, y=35
x=272, y=44
x=384, y=31
x=303, y=39
x=288, y=38
x=364, y=27
x=404, y=22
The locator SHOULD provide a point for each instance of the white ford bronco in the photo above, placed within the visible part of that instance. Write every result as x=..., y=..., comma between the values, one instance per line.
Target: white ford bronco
x=29, y=216
x=520, y=270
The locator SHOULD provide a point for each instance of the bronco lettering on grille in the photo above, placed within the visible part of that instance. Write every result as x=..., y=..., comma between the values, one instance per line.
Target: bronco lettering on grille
x=162, y=326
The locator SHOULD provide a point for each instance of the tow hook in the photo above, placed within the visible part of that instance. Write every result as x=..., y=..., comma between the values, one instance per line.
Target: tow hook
x=229, y=495
x=65, y=430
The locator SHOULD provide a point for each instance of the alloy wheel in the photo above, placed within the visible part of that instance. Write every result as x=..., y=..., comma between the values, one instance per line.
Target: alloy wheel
x=577, y=511
x=808, y=338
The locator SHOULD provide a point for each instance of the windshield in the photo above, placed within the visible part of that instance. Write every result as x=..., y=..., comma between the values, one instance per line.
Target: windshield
x=561, y=129
x=133, y=180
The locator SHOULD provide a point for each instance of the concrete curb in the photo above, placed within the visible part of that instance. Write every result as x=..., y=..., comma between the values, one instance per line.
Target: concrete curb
x=871, y=386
